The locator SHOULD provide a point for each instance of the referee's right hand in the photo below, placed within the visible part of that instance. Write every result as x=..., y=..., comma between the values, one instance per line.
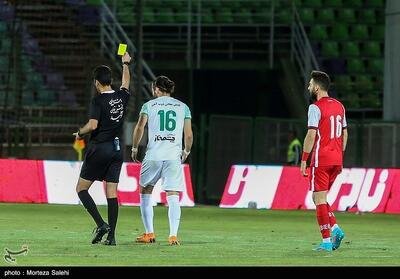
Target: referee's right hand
x=126, y=58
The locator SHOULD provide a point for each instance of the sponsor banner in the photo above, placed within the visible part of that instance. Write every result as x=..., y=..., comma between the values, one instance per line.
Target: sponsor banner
x=62, y=176
x=253, y=186
x=292, y=188
x=355, y=189
x=61, y=180
x=55, y=182
x=393, y=205
x=358, y=189
x=22, y=181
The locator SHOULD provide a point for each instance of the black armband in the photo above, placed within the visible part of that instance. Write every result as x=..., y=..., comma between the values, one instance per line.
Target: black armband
x=126, y=63
x=79, y=133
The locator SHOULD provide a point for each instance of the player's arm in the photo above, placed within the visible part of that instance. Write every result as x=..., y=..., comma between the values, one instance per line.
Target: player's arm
x=90, y=126
x=137, y=135
x=345, y=134
x=307, y=147
x=345, y=137
x=126, y=76
x=309, y=141
x=314, y=116
x=188, y=138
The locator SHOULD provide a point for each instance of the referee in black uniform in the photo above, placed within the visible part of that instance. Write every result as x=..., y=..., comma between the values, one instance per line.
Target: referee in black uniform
x=103, y=158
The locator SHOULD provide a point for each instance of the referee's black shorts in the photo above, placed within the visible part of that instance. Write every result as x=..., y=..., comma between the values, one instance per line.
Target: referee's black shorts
x=102, y=162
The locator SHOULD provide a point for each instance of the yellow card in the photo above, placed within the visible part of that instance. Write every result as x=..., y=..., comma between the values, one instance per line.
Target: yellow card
x=122, y=49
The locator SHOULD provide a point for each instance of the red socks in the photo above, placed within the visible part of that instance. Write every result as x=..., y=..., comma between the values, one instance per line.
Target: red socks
x=323, y=220
x=332, y=218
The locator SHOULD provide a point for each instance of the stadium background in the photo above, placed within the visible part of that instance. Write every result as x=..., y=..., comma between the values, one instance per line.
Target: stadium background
x=241, y=65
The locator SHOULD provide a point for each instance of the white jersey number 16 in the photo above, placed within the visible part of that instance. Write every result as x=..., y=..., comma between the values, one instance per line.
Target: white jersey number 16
x=338, y=126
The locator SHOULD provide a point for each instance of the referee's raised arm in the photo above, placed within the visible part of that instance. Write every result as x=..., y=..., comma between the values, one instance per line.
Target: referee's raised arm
x=126, y=77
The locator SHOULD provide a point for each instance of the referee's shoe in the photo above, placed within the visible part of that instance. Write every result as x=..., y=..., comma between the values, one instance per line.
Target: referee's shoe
x=110, y=241
x=100, y=232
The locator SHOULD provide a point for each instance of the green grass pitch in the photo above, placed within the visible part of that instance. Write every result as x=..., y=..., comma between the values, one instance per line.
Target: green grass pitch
x=210, y=236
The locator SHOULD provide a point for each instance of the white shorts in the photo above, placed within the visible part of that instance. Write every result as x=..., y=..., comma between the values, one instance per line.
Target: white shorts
x=170, y=172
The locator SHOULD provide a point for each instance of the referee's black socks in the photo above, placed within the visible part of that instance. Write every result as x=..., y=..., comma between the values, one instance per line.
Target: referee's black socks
x=112, y=215
x=90, y=206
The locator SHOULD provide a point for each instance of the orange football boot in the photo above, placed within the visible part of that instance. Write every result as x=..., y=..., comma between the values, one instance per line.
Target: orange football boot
x=146, y=238
x=172, y=240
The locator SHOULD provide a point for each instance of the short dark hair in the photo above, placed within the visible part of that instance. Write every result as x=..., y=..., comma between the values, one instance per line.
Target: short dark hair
x=164, y=84
x=103, y=75
x=322, y=79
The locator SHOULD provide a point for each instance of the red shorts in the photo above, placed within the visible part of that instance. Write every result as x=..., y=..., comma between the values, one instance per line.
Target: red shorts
x=322, y=178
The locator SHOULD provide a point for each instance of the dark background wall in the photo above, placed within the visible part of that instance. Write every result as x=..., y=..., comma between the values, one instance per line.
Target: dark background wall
x=238, y=92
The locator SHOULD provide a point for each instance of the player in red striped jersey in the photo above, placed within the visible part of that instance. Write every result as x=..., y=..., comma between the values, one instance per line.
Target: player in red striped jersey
x=327, y=138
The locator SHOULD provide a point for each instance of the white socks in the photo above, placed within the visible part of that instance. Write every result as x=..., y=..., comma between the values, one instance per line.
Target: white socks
x=334, y=227
x=146, y=209
x=174, y=214
x=326, y=240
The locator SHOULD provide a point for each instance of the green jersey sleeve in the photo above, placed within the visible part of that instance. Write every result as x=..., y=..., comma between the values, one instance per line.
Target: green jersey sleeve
x=188, y=115
x=144, y=109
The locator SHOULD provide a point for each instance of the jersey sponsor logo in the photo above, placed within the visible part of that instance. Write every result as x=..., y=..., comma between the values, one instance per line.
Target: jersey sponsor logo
x=169, y=138
x=117, y=109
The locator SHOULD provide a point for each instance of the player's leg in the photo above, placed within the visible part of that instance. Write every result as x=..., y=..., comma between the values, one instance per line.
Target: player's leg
x=146, y=208
x=319, y=184
x=149, y=175
x=147, y=213
x=82, y=188
x=332, y=218
x=172, y=174
x=113, y=161
x=323, y=219
x=93, y=168
x=174, y=216
x=112, y=208
x=337, y=233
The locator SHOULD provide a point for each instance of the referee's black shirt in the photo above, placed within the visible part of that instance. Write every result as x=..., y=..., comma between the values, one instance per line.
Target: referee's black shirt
x=109, y=108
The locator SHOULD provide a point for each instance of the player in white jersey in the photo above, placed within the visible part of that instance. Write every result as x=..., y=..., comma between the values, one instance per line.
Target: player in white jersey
x=168, y=119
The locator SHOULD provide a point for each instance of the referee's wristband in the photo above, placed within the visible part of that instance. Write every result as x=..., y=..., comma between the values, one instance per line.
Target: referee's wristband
x=134, y=149
x=305, y=155
x=79, y=133
x=126, y=63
